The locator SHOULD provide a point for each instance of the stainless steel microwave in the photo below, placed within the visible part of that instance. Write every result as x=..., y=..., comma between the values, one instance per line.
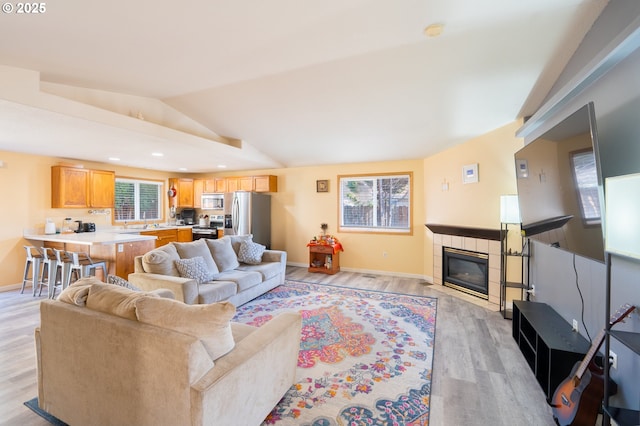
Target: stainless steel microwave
x=212, y=202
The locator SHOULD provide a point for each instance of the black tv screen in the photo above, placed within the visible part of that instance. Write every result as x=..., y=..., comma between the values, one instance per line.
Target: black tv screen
x=560, y=186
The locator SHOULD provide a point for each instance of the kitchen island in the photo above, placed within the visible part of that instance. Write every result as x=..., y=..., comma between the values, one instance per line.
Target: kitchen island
x=118, y=249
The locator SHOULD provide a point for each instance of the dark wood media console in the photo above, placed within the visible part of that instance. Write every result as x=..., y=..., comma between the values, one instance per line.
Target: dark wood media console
x=547, y=342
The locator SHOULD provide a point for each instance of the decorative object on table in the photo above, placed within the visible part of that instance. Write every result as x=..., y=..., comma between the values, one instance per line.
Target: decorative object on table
x=470, y=173
x=322, y=185
x=365, y=356
x=324, y=228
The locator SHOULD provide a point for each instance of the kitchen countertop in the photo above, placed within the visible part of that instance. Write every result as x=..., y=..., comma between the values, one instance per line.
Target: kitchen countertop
x=90, y=238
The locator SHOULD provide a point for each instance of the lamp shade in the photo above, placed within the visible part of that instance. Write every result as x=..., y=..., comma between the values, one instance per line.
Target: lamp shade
x=509, y=210
x=622, y=215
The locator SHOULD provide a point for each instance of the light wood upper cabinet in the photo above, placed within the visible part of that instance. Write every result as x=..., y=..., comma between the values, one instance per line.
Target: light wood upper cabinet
x=266, y=183
x=198, y=189
x=245, y=183
x=102, y=189
x=184, y=192
x=209, y=186
x=221, y=185
x=232, y=184
x=73, y=187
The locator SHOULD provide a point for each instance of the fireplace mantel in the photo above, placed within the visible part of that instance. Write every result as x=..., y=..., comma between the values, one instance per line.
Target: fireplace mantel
x=482, y=233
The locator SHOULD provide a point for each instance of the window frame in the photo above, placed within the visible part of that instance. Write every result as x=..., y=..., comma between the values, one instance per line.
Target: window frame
x=587, y=222
x=137, y=216
x=408, y=230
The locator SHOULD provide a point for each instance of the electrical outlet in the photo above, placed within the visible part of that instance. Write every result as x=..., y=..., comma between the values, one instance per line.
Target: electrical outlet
x=575, y=325
x=384, y=254
x=613, y=359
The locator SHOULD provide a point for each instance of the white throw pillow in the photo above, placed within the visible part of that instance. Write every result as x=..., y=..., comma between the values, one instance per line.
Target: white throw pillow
x=195, y=269
x=210, y=323
x=251, y=252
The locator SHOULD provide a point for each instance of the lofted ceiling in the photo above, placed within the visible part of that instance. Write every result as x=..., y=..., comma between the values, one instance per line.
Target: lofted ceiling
x=251, y=84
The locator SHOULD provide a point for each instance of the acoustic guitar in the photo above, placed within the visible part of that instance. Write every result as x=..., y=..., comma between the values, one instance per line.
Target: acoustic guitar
x=577, y=399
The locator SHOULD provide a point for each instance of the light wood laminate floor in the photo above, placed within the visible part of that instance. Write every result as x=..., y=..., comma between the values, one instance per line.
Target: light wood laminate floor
x=479, y=375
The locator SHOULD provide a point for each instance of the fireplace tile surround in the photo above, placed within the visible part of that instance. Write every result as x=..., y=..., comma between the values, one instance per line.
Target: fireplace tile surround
x=480, y=244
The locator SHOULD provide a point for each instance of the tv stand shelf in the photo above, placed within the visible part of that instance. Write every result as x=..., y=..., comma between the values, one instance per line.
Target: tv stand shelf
x=547, y=342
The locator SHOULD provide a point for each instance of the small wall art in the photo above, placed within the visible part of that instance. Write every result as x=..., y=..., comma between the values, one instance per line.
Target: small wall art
x=322, y=185
x=470, y=173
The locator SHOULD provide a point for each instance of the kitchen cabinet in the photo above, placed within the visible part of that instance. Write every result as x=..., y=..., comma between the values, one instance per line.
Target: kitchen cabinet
x=73, y=187
x=210, y=186
x=184, y=192
x=102, y=189
x=164, y=236
x=220, y=185
x=232, y=184
x=245, y=183
x=198, y=189
x=266, y=183
x=185, y=235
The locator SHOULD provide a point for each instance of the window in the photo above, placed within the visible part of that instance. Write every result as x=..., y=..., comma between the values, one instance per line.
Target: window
x=583, y=166
x=137, y=200
x=375, y=203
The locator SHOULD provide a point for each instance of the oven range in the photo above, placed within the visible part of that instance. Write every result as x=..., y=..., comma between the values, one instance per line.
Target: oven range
x=211, y=231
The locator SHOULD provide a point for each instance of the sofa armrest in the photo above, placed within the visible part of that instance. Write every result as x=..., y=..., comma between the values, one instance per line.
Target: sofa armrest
x=257, y=372
x=184, y=289
x=275, y=256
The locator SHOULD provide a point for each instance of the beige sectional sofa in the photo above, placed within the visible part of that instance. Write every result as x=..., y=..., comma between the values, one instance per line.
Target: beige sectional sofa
x=111, y=356
x=225, y=273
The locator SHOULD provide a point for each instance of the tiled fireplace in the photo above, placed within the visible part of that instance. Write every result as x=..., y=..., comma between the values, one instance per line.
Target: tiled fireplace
x=474, y=242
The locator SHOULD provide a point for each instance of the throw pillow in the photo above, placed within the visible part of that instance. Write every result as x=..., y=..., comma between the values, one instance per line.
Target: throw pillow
x=77, y=292
x=114, y=300
x=223, y=254
x=195, y=269
x=195, y=249
x=114, y=279
x=236, y=240
x=161, y=261
x=209, y=323
x=251, y=252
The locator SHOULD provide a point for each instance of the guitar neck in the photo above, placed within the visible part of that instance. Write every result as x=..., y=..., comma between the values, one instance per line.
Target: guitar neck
x=590, y=355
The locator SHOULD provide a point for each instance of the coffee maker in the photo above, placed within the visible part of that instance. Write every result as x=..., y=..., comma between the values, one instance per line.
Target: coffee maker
x=189, y=216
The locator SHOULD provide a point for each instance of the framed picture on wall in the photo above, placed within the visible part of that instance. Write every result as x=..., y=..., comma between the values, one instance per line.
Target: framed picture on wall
x=470, y=173
x=322, y=185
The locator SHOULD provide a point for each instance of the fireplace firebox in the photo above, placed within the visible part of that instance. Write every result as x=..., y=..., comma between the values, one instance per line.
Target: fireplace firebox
x=466, y=271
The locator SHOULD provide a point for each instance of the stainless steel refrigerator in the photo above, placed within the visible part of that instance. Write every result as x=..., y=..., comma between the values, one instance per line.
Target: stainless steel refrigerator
x=250, y=213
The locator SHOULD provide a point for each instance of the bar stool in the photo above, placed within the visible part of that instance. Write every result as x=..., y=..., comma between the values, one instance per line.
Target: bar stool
x=33, y=262
x=81, y=265
x=52, y=271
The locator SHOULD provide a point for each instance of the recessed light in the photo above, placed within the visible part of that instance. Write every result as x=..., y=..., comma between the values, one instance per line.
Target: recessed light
x=433, y=30
x=222, y=166
x=157, y=154
x=182, y=169
x=114, y=159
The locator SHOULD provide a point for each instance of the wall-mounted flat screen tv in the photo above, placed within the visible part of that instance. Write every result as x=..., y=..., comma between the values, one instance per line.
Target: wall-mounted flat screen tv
x=560, y=186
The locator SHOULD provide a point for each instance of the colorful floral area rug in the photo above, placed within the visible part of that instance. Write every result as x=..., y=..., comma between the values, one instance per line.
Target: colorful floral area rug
x=365, y=356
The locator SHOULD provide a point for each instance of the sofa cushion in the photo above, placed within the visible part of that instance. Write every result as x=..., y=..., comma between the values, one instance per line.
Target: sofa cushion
x=250, y=252
x=209, y=323
x=161, y=261
x=194, y=268
x=243, y=279
x=267, y=269
x=77, y=292
x=223, y=254
x=197, y=248
x=216, y=291
x=115, y=300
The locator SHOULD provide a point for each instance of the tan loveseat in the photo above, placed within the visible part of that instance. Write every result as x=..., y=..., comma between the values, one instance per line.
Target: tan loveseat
x=99, y=368
x=230, y=277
